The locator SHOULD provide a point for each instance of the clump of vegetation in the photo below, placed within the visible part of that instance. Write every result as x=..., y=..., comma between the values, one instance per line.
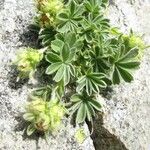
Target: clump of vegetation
x=27, y=61
x=44, y=116
x=83, y=54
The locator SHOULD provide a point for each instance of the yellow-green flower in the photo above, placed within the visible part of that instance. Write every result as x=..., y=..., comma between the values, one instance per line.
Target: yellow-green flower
x=27, y=60
x=48, y=10
x=136, y=41
x=133, y=41
x=80, y=135
x=51, y=6
x=44, y=116
x=57, y=112
x=36, y=106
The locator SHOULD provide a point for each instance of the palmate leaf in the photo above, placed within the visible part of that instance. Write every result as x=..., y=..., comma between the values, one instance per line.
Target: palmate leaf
x=85, y=107
x=94, y=6
x=93, y=26
x=124, y=64
x=68, y=20
x=99, y=58
x=61, y=64
x=72, y=39
x=91, y=82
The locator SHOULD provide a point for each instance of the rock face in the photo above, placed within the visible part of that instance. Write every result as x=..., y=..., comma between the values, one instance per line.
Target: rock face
x=127, y=108
x=15, y=16
x=126, y=123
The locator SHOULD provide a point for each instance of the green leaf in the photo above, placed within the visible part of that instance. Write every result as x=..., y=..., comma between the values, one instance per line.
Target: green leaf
x=92, y=82
x=91, y=109
x=69, y=18
x=81, y=83
x=47, y=35
x=29, y=117
x=75, y=98
x=81, y=114
x=53, y=68
x=95, y=104
x=72, y=7
x=116, y=78
x=63, y=16
x=129, y=56
x=57, y=45
x=125, y=63
x=52, y=57
x=65, y=52
x=30, y=129
x=66, y=75
x=125, y=75
x=85, y=107
x=88, y=113
x=60, y=73
x=75, y=107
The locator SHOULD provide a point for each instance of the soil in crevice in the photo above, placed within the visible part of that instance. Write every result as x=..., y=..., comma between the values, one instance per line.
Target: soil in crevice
x=103, y=139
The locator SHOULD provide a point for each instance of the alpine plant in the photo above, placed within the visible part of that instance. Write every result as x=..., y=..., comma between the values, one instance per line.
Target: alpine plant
x=84, y=54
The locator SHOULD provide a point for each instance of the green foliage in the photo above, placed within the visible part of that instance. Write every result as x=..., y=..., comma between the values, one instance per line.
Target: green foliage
x=92, y=81
x=84, y=106
x=44, y=116
x=83, y=53
x=70, y=18
x=123, y=62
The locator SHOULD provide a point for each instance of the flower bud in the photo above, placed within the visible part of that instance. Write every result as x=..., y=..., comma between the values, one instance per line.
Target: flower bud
x=27, y=61
x=42, y=122
x=36, y=106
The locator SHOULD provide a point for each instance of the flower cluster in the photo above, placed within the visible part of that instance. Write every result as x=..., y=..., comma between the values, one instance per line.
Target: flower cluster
x=44, y=116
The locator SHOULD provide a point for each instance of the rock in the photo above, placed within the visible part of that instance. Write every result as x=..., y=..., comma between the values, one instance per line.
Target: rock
x=15, y=17
x=126, y=122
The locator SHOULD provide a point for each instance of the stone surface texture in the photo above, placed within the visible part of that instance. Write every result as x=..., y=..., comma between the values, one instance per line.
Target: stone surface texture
x=127, y=108
x=15, y=16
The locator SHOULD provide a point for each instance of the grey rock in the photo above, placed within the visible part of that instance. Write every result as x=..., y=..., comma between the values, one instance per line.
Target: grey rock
x=15, y=16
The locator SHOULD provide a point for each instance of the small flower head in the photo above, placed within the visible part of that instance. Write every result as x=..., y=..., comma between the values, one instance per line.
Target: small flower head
x=48, y=10
x=36, y=106
x=50, y=6
x=27, y=61
x=134, y=41
x=44, y=116
x=80, y=135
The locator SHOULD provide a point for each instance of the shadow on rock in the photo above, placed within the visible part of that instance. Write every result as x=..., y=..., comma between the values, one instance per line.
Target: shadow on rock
x=29, y=37
x=103, y=139
x=22, y=126
x=111, y=2
x=12, y=78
